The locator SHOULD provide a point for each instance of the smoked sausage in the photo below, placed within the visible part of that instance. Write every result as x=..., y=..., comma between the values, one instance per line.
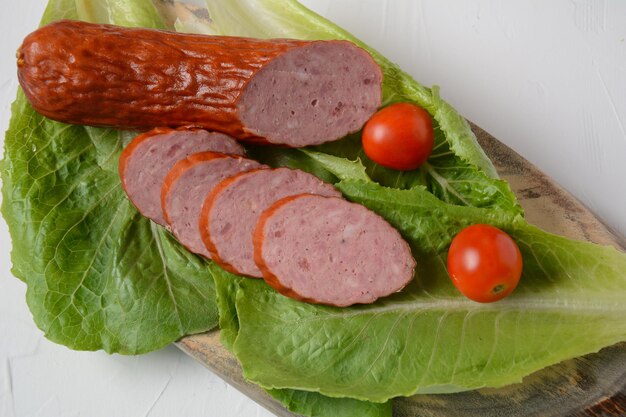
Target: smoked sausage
x=185, y=188
x=281, y=91
x=232, y=210
x=147, y=159
x=326, y=250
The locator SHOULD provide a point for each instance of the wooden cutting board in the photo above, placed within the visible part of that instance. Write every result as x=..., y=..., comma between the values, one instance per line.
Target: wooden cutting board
x=593, y=385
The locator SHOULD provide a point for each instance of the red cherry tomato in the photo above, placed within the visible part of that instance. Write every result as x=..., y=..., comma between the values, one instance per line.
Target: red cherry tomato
x=399, y=136
x=485, y=264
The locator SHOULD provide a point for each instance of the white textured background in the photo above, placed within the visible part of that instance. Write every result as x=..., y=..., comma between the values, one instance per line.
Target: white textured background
x=546, y=78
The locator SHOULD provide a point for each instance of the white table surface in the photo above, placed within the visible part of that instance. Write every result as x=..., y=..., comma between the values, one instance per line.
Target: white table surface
x=546, y=78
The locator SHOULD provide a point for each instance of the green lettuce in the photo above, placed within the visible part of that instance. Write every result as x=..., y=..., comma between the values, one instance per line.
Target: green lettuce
x=429, y=338
x=303, y=403
x=120, y=12
x=99, y=275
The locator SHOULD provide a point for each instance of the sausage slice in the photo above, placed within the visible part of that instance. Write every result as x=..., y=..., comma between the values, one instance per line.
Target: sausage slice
x=327, y=250
x=186, y=186
x=232, y=210
x=146, y=160
x=280, y=91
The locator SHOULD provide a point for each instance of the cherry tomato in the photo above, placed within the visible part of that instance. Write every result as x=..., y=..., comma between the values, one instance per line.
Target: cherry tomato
x=399, y=136
x=485, y=264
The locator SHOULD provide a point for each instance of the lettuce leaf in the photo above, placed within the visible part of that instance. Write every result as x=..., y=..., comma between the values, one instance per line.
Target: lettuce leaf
x=303, y=403
x=429, y=338
x=313, y=404
x=99, y=275
x=120, y=12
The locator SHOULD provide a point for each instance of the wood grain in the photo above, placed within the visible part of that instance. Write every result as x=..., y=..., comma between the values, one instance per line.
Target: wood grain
x=590, y=386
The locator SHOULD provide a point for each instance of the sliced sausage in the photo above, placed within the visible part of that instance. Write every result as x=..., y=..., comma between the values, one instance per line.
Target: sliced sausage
x=231, y=212
x=186, y=186
x=329, y=251
x=280, y=91
x=146, y=160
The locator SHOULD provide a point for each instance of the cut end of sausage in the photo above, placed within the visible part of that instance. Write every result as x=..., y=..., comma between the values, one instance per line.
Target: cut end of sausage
x=186, y=187
x=326, y=250
x=232, y=210
x=145, y=162
x=312, y=94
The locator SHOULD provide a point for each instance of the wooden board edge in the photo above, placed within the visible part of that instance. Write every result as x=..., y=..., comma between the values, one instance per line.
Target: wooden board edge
x=207, y=349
